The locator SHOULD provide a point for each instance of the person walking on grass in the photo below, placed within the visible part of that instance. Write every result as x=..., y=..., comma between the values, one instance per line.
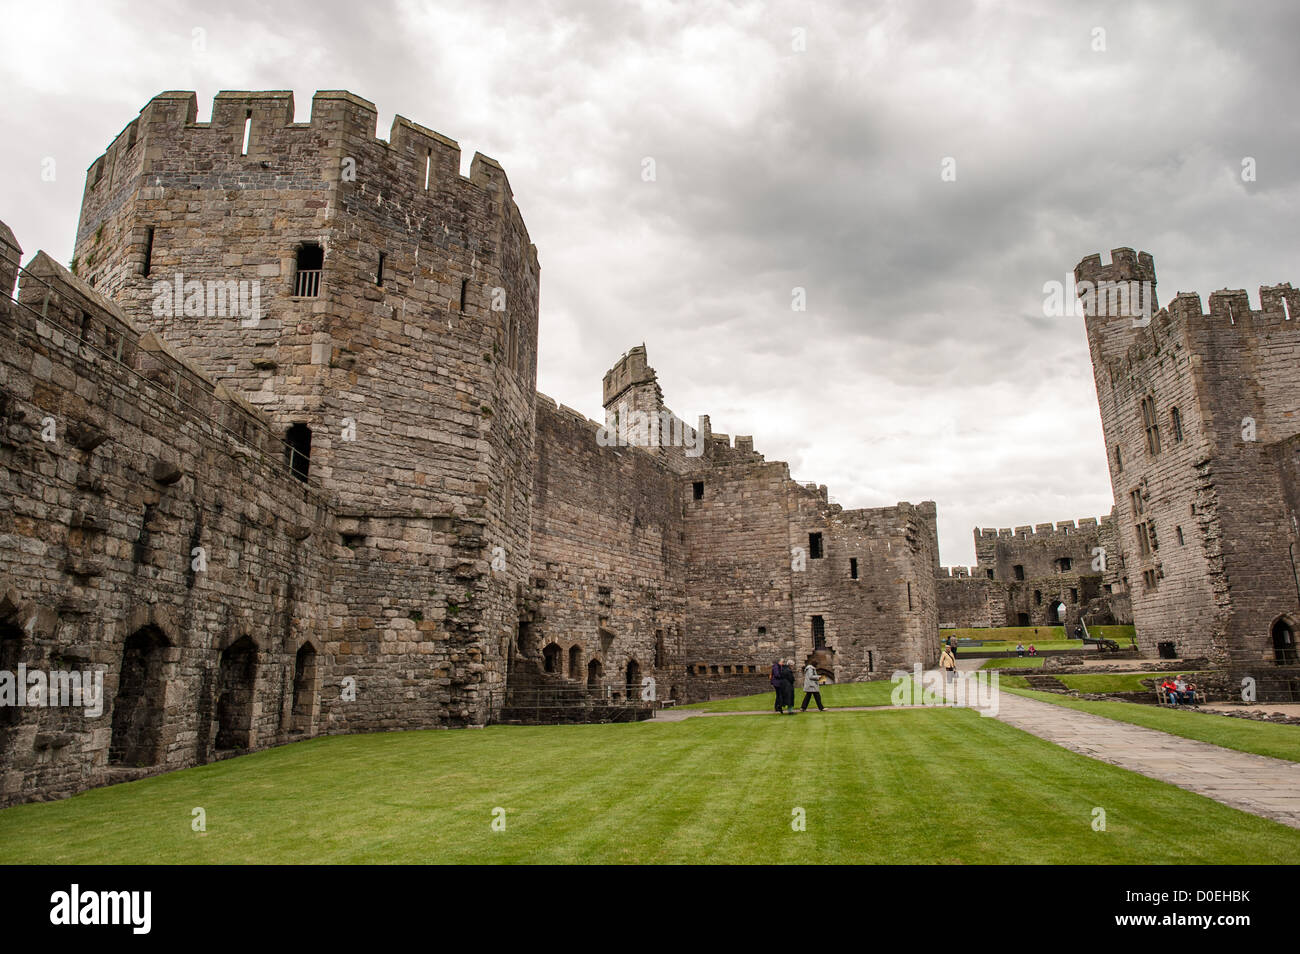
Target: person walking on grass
x=811, y=688
x=777, y=686
x=787, y=686
x=948, y=663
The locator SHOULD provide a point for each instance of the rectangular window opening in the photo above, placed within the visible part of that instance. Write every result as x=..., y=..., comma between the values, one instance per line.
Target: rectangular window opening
x=697, y=489
x=248, y=132
x=464, y=290
x=379, y=272
x=819, y=632
x=148, y=251
x=814, y=546
x=428, y=168
x=853, y=568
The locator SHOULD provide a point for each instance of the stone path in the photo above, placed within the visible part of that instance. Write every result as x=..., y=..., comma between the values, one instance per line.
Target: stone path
x=1254, y=783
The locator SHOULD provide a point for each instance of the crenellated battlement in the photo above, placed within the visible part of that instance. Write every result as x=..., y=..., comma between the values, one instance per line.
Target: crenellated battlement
x=960, y=573
x=1061, y=528
x=1125, y=266
x=416, y=170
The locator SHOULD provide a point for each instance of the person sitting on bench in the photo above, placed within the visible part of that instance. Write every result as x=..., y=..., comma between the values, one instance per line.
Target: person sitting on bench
x=1171, y=691
x=1186, y=691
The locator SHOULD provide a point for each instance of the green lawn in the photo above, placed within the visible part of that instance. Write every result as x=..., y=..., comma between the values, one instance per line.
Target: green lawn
x=919, y=786
x=1015, y=662
x=833, y=696
x=1244, y=735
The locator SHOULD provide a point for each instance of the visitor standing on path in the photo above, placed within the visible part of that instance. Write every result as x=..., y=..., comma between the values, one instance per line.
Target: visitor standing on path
x=787, y=685
x=811, y=688
x=776, y=684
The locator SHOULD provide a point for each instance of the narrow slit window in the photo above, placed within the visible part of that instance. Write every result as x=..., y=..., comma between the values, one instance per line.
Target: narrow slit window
x=148, y=251
x=853, y=568
x=379, y=272
x=464, y=290
x=1176, y=419
x=428, y=167
x=248, y=132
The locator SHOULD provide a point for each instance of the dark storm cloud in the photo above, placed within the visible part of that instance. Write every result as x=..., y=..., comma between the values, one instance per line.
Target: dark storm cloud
x=925, y=366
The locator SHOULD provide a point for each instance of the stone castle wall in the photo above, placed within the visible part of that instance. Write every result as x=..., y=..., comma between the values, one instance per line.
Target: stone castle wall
x=1217, y=568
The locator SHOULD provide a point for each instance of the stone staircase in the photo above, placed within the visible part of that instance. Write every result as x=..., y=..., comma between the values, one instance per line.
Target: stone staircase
x=1049, y=683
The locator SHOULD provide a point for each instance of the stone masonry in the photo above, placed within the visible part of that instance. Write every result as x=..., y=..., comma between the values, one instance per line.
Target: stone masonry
x=1201, y=415
x=274, y=465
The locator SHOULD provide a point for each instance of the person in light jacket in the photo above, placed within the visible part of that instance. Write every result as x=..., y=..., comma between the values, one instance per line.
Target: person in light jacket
x=948, y=663
x=811, y=688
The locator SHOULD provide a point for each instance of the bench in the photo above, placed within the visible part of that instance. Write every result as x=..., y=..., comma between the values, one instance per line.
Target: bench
x=1201, y=696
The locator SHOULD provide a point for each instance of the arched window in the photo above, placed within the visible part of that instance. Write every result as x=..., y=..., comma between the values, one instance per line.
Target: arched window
x=575, y=662
x=551, y=658
x=633, y=680
x=594, y=672
x=297, y=451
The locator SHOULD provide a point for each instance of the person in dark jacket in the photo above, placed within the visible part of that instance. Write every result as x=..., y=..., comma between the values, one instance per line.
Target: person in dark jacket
x=787, y=686
x=777, y=687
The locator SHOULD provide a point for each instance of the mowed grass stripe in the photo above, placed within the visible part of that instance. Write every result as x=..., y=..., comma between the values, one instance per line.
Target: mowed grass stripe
x=923, y=785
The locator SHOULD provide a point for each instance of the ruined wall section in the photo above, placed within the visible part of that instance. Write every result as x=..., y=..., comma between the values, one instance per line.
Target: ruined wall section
x=738, y=572
x=160, y=505
x=608, y=559
x=886, y=618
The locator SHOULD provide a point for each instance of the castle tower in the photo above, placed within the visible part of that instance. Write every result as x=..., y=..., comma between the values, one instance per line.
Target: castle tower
x=382, y=309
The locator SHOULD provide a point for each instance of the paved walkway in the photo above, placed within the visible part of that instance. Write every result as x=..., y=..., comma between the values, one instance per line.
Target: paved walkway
x=1254, y=783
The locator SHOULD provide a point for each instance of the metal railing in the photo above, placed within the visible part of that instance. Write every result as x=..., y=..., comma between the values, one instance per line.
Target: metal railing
x=306, y=284
x=549, y=704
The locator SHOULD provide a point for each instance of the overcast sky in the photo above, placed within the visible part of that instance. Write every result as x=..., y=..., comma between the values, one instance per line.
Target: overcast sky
x=794, y=145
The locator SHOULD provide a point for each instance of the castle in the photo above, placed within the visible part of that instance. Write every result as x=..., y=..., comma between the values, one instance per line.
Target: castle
x=275, y=466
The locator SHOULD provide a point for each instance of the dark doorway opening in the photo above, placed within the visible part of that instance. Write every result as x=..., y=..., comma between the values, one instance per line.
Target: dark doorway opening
x=575, y=662
x=551, y=657
x=1284, y=646
x=594, y=670
x=304, y=688
x=297, y=451
x=633, y=680
x=11, y=654
x=236, y=681
x=139, y=705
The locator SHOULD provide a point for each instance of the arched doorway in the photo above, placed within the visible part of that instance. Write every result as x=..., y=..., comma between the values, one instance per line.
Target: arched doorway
x=575, y=662
x=633, y=680
x=594, y=672
x=304, y=688
x=140, y=702
x=1054, y=612
x=237, y=678
x=551, y=658
x=1284, y=644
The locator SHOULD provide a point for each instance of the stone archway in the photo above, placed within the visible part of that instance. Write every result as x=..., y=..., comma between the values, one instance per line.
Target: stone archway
x=575, y=661
x=236, y=685
x=552, y=657
x=140, y=703
x=594, y=673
